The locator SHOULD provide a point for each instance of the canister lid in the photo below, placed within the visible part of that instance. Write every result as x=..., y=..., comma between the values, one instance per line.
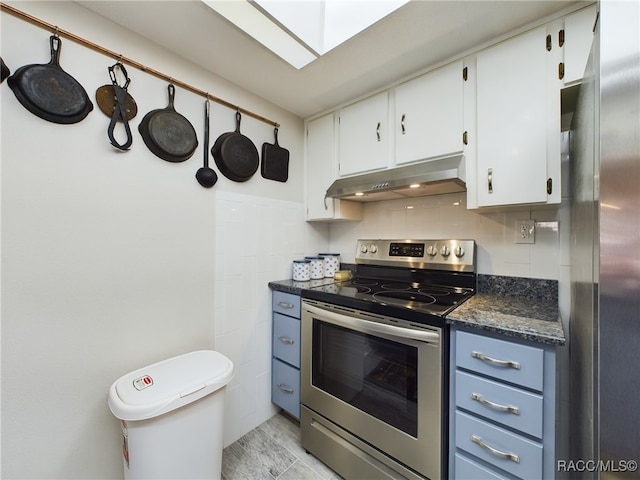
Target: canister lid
x=169, y=384
x=302, y=261
x=328, y=254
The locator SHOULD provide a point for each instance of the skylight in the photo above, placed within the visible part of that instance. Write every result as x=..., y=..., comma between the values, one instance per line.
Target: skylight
x=300, y=31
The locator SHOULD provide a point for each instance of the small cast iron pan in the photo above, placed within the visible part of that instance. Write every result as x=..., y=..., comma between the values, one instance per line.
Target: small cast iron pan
x=236, y=156
x=275, y=161
x=49, y=92
x=168, y=134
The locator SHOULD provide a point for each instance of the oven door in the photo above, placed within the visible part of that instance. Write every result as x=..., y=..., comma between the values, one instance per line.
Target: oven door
x=378, y=378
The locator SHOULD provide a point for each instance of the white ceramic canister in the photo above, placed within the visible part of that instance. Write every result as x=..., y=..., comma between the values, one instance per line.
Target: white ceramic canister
x=301, y=270
x=317, y=267
x=331, y=263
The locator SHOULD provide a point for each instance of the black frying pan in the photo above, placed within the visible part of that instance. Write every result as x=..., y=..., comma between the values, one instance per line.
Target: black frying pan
x=236, y=156
x=168, y=134
x=49, y=92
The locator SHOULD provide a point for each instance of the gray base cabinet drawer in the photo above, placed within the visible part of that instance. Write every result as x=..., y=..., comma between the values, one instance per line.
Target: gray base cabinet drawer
x=286, y=339
x=286, y=303
x=501, y=403
x=285, y=387
x=505, y=450
x=507, y=361
x=467, y=469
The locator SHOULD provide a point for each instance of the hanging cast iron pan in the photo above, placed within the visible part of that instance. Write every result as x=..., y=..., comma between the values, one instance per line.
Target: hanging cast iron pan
x=275, y=161
x=49, y=92
x=168, y=134
x=4, y=70
x=236, y=156
x=207, y=177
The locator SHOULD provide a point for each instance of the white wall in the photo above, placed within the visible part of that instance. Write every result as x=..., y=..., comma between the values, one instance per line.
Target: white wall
x=111, y=260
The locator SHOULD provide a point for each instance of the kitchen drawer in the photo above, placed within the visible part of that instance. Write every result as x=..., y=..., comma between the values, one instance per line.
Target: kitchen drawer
x=528, y=453
x=285, y=387
x=286, y=303
x=286, y=339
x=528, y=360
x=467, y=469
x=471, y=390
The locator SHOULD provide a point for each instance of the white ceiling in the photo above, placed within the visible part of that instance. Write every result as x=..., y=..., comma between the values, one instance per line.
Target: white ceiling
x=416, y=36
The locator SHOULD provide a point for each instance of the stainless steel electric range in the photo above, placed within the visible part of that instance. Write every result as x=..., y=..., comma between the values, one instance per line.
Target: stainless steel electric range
x=374, y=359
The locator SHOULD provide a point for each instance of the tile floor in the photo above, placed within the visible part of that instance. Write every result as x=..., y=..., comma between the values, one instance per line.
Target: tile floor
x=272, y=451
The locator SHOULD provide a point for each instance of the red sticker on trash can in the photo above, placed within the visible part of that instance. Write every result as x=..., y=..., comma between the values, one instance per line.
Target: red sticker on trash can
x=143, y=382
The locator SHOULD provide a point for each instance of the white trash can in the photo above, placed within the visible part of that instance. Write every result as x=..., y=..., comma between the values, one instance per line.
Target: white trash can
x=172, y=414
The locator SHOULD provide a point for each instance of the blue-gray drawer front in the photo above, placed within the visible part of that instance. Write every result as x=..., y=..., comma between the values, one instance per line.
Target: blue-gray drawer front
x=530, y=359
x=529, y=454
x=286, y=339
x=286, y=303
x=467, y=469
x=473, y=393
x=285, y=387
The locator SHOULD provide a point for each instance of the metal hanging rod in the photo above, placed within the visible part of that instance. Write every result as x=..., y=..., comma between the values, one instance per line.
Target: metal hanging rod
x=98, y=48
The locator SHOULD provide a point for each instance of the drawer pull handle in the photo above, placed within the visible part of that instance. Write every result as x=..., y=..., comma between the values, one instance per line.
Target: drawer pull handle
x=286, y=340
x=285, y=304
x=496, y=452
x=285, y=389
x=496, y=406
x=495, y=361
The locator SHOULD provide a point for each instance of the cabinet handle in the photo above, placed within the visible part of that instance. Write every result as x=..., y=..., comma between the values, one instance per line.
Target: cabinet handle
x=378, y=131
x=490, y=180
x=495, y=451
x=286, y=340
x=496, y=406
x=286, y=305
x=285, y=389
x=495, y=361
x=402, y=124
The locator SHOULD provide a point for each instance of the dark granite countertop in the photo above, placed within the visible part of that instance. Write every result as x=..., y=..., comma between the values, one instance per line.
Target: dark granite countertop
x=515, y=307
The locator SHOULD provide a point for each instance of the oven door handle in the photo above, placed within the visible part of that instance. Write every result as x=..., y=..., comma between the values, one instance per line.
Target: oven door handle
x=367, y=326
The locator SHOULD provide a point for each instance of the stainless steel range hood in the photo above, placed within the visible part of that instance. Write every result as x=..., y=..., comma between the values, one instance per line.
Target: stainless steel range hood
x=445, y=175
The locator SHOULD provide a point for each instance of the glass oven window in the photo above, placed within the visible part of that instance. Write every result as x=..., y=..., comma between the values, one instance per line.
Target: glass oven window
x=375, y=375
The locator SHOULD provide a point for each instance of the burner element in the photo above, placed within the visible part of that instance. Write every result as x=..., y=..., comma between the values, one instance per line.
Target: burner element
x=434, y=291
x=396, y=286
x=404, y=297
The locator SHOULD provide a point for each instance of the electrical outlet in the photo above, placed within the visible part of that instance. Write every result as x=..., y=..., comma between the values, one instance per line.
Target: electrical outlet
x=525, y=231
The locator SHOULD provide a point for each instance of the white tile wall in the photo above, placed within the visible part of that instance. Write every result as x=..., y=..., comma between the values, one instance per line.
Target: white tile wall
x=256, y=241
x=446, y=216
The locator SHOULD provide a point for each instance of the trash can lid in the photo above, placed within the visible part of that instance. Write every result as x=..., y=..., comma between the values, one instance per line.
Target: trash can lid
x=169, y=384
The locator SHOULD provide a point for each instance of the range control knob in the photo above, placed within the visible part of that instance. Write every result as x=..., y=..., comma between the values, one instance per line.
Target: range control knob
x=458, y=251
x=373, y=248
x=431, y=250
x=364, y=249
x=444, y=251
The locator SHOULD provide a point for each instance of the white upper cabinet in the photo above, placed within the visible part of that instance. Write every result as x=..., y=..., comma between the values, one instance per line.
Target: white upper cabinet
x=578, y=37
x=518, y=122
x=428, y=120
x=320, y=174
x=363, y=143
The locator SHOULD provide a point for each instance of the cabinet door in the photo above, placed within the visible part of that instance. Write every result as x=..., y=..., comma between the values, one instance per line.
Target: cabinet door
x=321, y=172
x=512, y=121
x=578, y=37
x=364, y=136
x=429, y=115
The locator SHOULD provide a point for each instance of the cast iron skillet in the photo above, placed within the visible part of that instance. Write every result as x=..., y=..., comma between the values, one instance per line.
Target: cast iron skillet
x=168, y=134
x=236, y=156
x=49, y=92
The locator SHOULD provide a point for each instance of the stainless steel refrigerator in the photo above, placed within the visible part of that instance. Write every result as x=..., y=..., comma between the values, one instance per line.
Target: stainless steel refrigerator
x=605, y=251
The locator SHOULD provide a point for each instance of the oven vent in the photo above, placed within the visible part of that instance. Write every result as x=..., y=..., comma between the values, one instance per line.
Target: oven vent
x=435, y=177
